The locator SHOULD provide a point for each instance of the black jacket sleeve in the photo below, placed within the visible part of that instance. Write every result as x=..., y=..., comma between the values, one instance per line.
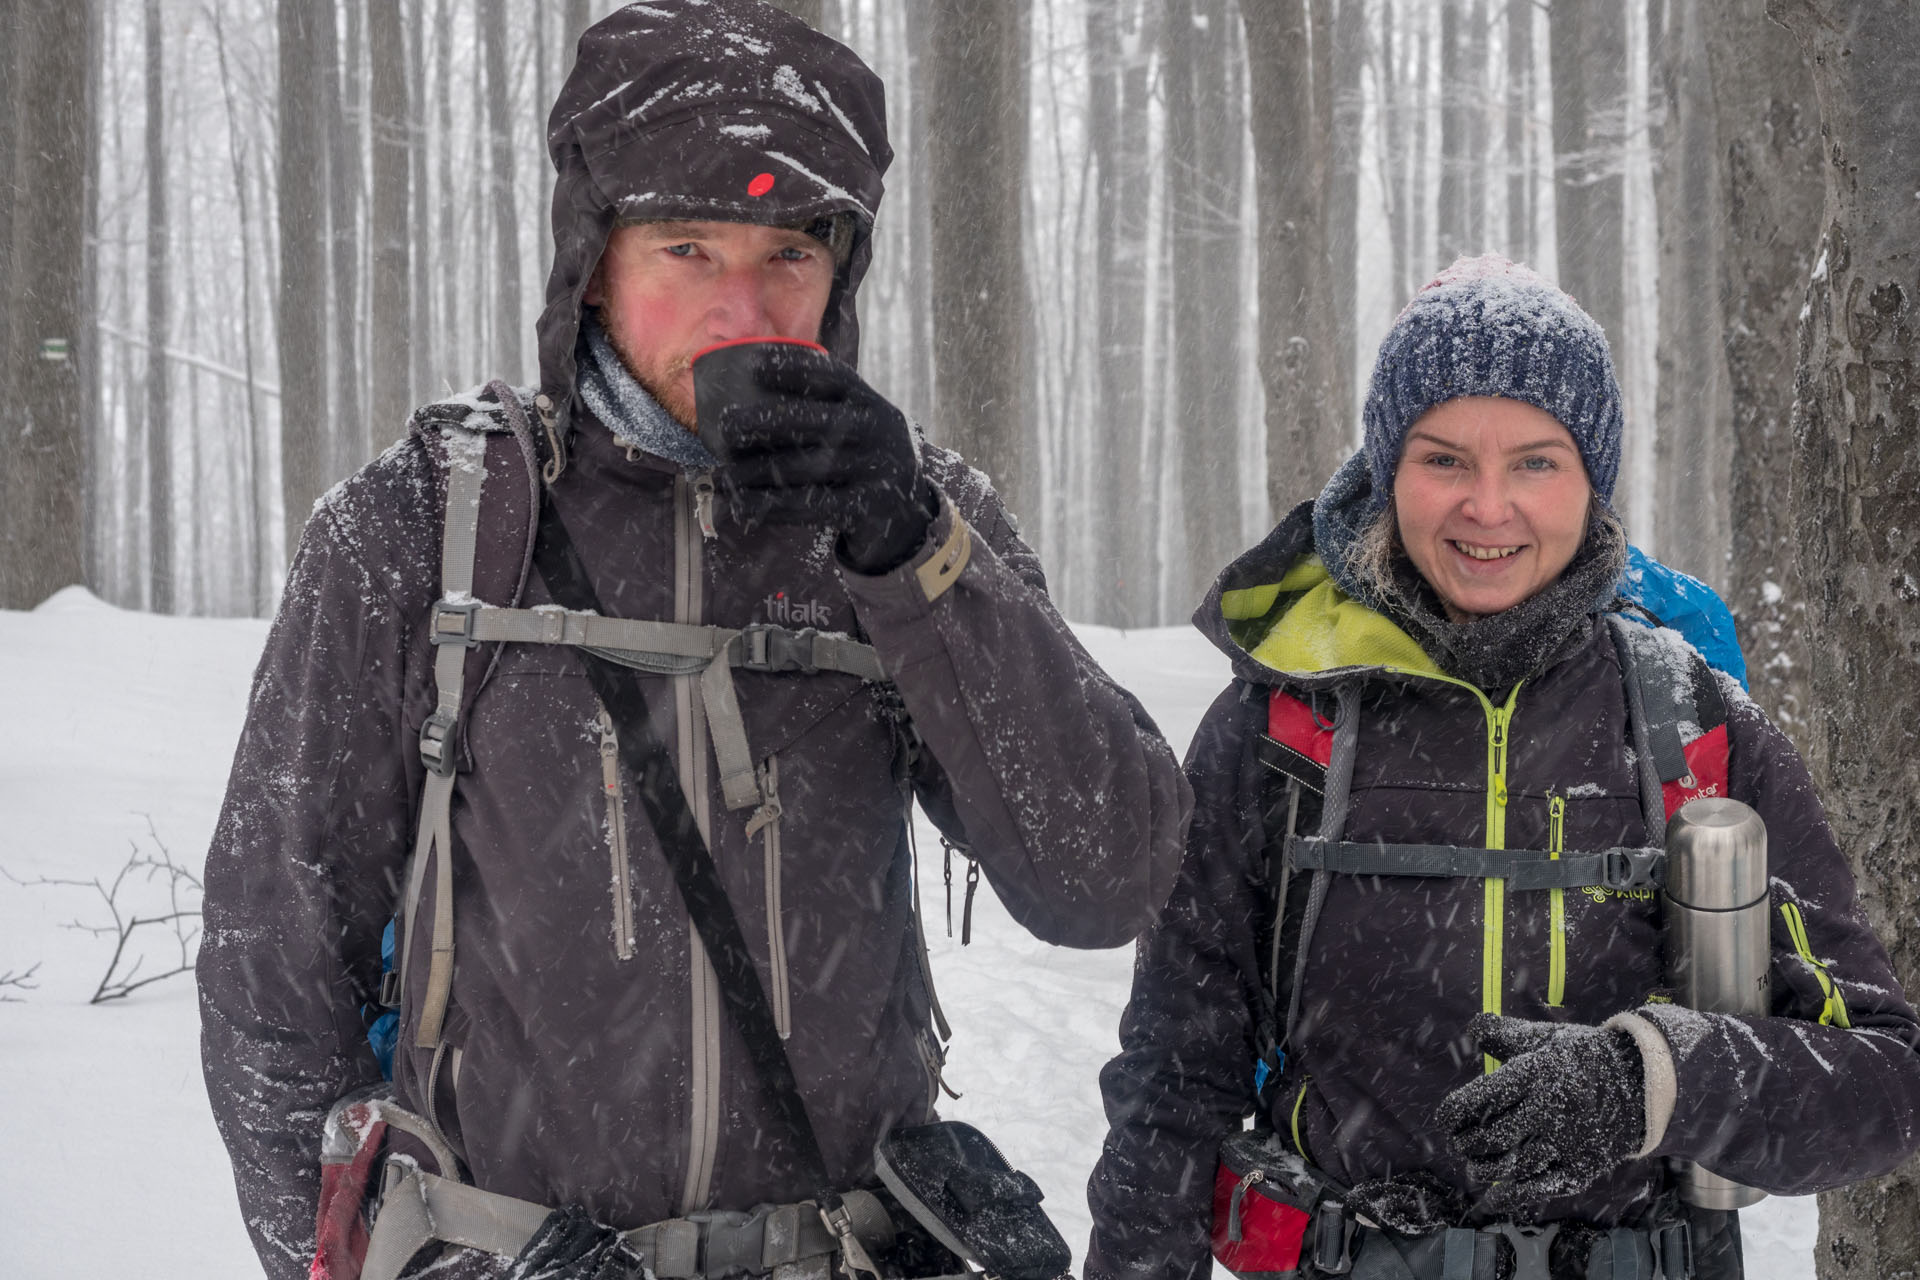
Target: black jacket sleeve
x=1827, y=1090
x=1184, y=1077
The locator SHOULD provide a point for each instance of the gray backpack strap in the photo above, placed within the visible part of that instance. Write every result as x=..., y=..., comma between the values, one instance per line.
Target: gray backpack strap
x=1621, y=869
x=1659, y=700
x=451, y=632
x=1333, y=825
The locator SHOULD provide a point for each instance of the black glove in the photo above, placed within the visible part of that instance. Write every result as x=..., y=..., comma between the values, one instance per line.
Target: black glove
x=1415, y=1203
x=1568, y=1105
x=570, y=1245
x=803, y=439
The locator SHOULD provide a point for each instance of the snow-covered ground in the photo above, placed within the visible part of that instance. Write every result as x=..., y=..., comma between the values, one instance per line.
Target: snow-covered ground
x=117, y=728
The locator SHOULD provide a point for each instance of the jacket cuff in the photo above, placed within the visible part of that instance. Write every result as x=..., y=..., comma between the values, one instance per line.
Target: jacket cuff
x=1662, y=1087
x=937, y=565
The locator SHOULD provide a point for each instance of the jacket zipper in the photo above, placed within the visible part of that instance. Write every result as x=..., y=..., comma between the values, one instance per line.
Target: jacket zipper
x=623, y=940
x=703, y=1076
x=766, y=823
x=1557, y=905
x=703, y=503
x=1494, y=919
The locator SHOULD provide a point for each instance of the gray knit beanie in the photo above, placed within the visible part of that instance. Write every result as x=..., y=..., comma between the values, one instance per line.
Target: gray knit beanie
x=1484, y=327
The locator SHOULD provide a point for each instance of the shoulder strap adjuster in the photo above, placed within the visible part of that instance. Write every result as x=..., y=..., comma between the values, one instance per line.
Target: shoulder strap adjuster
x=436, y=738
x=770, y=648
x=452, y=622
x=1629, y=869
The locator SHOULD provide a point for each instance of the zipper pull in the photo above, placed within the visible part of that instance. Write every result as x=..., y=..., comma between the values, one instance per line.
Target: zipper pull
x=946, y=874
x=966, y=910
x=769, y=810
x=609, y=743
x=1556, y=825
x=703, y=503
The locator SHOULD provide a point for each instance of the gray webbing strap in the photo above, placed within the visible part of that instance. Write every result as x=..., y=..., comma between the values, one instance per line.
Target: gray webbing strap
x=675, y=648
x=1333, y=825
x=1458, y=1261
x=420, y=1208
x=1653, y=804
x=466, y=474
x=1522, y=869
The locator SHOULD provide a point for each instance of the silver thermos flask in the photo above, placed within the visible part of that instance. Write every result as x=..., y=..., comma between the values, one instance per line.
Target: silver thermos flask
x=1715, y=905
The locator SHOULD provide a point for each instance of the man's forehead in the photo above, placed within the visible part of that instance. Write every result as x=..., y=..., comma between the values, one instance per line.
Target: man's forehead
x=677, y=229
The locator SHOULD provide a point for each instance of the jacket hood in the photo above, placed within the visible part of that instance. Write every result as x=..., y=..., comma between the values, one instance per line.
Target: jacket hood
x=711, y=110
x=1277, y=611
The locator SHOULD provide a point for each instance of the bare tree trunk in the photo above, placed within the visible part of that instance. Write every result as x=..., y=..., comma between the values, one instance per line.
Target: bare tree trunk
x=1463, y=150
x=301, y=324
x=159, y=444
x=45, y=428
x=347, y=428
x=977, y=141
x=420, y=377
x=1203, y=158
x=1693, y=449
x=390, y=339
x=506, y=310
x=1856, y=501
x=255, y=535
x=1770, y=173
x=1395, y=104
x=12, y=36
x=1297, y=343
x=1589, y=51
x=1519, y=148
x=1343, y=195
x=1117, y=121
x=920, y=235
x=447, y=349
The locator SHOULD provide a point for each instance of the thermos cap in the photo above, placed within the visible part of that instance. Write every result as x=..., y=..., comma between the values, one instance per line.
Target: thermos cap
x=1716, y=855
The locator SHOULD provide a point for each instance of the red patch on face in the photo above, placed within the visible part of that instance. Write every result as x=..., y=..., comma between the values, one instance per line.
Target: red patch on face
x=760, y=185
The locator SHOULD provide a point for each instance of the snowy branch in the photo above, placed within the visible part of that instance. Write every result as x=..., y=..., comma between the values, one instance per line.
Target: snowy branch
x=124, y=974
x=22, y=981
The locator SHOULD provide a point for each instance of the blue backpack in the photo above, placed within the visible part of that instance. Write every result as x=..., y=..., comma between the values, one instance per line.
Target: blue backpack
x=1689, y=606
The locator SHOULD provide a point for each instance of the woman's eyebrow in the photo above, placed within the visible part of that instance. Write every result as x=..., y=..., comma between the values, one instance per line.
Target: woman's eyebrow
x=1549, y=443
x=1431, y=438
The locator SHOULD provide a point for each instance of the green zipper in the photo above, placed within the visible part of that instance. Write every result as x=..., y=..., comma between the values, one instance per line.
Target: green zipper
x=1494, y=920
x=1557, y=957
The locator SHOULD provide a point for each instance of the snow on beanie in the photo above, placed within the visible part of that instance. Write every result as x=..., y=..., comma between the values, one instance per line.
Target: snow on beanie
x=1490, y=327
x=1485, y=327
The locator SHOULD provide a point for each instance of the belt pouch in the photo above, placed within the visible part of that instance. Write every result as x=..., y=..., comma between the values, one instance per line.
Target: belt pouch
x=959, y=1187
x=1263, y=1199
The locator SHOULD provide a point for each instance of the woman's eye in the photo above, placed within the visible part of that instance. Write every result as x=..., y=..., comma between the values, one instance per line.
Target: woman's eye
x=680, y=250
x=794, y=255
x=1446, y=460
x=1537, y=463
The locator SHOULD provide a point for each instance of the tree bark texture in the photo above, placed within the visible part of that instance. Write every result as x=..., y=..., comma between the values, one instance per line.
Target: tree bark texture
x=1588, y=47
x=389, y=344
x=301, y=324
x=44, y=453
x=1693, y=447
x=419, y=157
x=159, y=449
x=348, y=431
x=1770, y=175
x=1203, y=158
x=1298, y=356
x=976, y=150
x=1463, y=144
x=506, y=226
x=1343, y=195
x=1121, y=40
x=1856, y=518
x=1519, y=148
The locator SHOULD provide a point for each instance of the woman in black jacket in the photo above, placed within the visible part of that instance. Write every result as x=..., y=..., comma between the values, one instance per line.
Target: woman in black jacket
x=1471, y=1077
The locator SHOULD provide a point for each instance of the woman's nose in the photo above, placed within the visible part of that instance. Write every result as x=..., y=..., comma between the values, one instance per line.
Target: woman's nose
x=1489, y=500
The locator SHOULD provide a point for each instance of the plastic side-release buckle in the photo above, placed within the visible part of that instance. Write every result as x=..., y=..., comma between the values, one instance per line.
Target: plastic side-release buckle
x=1629, y=869
x=1332, y=1238
x=453, y=622
x=1673, y=1250
x=769, y=648
x=436, y=743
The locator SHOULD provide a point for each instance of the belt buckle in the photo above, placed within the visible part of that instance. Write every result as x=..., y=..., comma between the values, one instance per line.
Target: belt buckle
x=1530, y=1248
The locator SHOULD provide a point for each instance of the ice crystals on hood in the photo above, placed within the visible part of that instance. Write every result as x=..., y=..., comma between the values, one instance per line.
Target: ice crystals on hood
x=787, y=81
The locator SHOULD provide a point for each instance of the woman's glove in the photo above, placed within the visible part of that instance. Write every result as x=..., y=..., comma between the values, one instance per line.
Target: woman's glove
x=1568, y=1105
x=570, y=1245
x=804, y=439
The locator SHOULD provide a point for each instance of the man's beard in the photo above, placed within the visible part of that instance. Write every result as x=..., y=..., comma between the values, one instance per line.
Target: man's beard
x=662, y=380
